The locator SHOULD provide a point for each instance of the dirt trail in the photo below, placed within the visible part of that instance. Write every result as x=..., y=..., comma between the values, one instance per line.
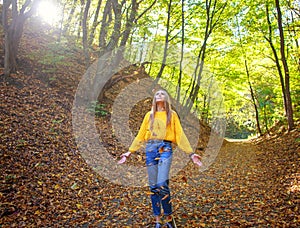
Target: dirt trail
x=236, y=191
x=231, y=192
x=239, y=190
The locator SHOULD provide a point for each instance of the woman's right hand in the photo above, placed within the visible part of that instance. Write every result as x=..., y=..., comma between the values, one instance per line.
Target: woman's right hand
x=196, y=159
x=124, y=157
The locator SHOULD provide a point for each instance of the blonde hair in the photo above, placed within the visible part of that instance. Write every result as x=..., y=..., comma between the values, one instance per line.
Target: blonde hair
x=167, y=105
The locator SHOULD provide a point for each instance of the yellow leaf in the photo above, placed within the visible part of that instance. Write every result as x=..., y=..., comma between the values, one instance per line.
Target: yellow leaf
x=149, y=193
x=117, y=213
x=56, y=186
x=37, y=213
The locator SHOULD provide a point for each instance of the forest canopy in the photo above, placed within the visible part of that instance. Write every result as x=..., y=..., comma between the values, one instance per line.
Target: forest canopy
x=251, y=48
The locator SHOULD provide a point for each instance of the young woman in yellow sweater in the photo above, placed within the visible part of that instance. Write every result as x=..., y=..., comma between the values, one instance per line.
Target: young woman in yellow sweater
x=160, y=128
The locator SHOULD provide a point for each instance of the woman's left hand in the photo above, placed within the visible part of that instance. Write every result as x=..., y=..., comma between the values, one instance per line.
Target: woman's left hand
x=196, y=159
x=124, y=157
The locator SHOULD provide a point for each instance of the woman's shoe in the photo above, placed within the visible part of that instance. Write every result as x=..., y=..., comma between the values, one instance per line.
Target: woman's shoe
x=168, y=225
x=157, y=225
x=171, y=224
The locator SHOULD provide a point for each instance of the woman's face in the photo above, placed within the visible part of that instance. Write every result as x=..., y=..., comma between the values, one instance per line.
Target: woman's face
x=160, y=96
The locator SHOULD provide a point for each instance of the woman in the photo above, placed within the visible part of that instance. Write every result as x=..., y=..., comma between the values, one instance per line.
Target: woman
x=160, y=128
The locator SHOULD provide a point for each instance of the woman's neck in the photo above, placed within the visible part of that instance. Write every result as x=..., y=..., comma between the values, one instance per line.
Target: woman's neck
x=160, y=108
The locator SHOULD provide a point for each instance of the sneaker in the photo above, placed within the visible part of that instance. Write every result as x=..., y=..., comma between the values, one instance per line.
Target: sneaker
x=170, y=224
x=157, y=225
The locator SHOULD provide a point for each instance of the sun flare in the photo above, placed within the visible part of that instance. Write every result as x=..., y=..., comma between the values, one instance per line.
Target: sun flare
x=49, y=12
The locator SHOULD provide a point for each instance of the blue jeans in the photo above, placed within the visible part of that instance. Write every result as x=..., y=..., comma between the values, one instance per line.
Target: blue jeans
x=158, y=161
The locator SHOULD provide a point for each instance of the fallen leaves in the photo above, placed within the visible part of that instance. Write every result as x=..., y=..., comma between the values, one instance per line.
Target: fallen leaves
x=46, y=183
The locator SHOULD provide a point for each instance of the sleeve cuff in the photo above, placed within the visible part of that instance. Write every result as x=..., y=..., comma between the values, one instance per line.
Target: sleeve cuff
x=191, y=154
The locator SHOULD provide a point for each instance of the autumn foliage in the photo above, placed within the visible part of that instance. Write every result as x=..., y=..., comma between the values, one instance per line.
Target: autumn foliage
x=45, y=182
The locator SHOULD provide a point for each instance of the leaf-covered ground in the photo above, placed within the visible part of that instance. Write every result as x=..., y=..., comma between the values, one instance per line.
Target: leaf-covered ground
x=45, y=182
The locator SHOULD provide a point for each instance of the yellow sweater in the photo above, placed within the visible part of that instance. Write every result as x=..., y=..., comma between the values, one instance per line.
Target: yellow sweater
x=173, y=132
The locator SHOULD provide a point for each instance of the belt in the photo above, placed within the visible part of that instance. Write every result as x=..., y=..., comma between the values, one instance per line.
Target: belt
x=158, y=140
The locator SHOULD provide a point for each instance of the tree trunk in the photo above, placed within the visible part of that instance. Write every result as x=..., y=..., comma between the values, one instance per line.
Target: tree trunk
x=115, y=36
x=13, y=31
x=85, y=33
x=79, y=30
x=112, y=13
x=71, y=15
x=253, y=100
x=106, y=19
x=163, y=64
x=212, y=12
x=289, y=108
x=12, y=40
x=266, y=120
x=200, y=61
x=249, y=83
x=277, y=61
x=181, y=53
x=129, y=23
x=293, y=31
x=95, y=23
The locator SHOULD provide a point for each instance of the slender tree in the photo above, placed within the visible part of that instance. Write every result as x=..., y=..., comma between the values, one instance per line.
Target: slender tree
x=70, y=17
x=112, y=18
x=283, y=75
x=269, y=38
x=253, y=99
x=213, y=16
x=181, y=51
x=293, y=32
x=95, y=23
x=289, y=107
x=131, y=19
x=166, y=44
x=85, y=33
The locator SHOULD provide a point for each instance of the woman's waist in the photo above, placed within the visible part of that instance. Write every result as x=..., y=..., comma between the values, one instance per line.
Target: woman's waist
x=159, y=145
x=152, y=141
x=167, y=136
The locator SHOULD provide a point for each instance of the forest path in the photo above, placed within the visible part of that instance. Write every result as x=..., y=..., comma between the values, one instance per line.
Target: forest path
x=248, y=185
x=238, y=190
x=231, y=192
x=242, y=188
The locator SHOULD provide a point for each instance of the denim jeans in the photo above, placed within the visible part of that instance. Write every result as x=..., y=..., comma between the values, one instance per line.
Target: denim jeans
x=158, y=161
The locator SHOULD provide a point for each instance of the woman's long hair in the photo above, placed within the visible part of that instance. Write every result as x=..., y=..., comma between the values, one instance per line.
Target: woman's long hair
x=167, y=105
